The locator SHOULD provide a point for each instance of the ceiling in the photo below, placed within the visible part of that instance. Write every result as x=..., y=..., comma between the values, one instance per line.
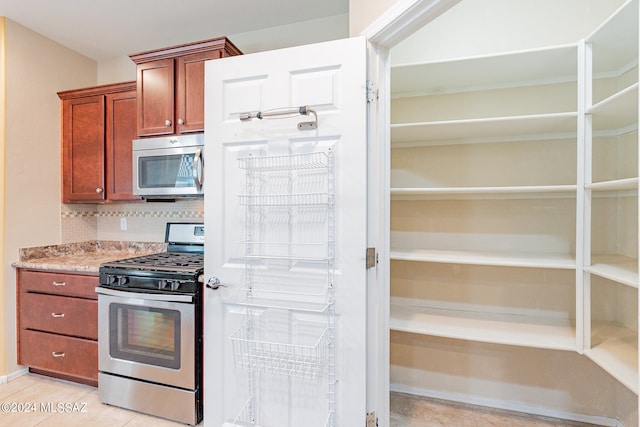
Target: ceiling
x=106, y=29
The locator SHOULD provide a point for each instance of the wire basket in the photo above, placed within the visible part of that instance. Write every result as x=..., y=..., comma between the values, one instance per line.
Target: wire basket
x=300, y=353
x=286, y=200
x=289, y=162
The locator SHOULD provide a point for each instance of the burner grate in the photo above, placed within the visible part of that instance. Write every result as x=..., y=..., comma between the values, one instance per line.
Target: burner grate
x=165, y=260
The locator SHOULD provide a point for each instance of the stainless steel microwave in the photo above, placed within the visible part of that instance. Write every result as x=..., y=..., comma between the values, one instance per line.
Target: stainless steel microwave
x=169, y=167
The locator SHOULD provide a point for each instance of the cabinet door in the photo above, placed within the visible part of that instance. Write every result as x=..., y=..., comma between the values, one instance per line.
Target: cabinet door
x=83, y=149
x=190, y=91
x=121, y=130
x=155, y=97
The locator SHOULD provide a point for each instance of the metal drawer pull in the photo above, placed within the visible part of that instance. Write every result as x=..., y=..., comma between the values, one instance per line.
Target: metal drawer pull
x=54, y=354
x=59, y=283
x=57, y=314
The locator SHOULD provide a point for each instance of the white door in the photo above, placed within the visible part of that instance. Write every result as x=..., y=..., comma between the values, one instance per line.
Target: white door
x=285, y=331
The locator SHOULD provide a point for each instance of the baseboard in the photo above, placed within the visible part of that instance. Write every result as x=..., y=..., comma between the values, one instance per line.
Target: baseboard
x=506, y=405
x=12, y=376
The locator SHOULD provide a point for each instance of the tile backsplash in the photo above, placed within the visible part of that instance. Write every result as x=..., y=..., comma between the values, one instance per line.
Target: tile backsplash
x=145, y=222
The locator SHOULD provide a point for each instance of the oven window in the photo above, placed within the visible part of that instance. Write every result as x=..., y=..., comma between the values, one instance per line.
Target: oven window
x=169, y=171
x=145, y=335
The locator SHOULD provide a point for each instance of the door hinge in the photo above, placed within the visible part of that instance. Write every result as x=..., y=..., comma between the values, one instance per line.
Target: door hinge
x=372, y=92
x=372, y=421
x=372, y=257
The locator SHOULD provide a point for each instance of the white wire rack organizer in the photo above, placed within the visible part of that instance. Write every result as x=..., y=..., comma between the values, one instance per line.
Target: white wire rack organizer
x=257, y=350
x=289, y=204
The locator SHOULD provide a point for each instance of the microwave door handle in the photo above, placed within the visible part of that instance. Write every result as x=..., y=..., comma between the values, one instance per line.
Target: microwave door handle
x=198, y=165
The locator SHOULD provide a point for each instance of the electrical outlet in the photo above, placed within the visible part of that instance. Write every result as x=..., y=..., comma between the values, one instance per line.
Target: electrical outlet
x=123, y=224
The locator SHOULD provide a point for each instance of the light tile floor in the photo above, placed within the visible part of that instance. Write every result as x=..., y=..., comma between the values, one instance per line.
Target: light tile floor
x=35, y=392
x=413, y=411
x=31, y=399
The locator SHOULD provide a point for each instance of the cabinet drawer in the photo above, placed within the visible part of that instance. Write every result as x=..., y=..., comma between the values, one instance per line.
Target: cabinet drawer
x=65, y=355
x=58, y=283
x=63, y=315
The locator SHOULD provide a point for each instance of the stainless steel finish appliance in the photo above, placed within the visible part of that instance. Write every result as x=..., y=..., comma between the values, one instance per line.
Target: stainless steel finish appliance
x=150, y=329
x=169, y=167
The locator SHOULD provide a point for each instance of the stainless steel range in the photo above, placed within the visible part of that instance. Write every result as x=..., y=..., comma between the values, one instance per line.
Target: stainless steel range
x=150, y=329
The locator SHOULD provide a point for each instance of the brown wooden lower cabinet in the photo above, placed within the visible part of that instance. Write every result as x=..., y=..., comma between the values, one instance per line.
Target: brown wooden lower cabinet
x=58, y=324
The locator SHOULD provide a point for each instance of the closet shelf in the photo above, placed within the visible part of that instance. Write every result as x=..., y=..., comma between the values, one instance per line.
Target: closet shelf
x=509, y=329
x=615, y=42
x=614, y=185
x=616, y=353
x=618, y=268
x=504, y=259
x=551, y=125
x=523, y=191
x=617, y=111
x=521, y=68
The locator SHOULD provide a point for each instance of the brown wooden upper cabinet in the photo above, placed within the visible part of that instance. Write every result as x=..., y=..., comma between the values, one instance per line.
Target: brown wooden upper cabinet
x=98, y=125
x=170, y=86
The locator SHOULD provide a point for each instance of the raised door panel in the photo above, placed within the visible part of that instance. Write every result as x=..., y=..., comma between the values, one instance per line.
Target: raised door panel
x=155, y=92
x=64, y=355
x=190, y=90
x=83, y=149
x=63, y=315
x=121, y=130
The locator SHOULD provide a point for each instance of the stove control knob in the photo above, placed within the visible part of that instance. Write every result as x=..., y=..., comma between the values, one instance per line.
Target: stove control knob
x=175, y=285
x=122, y=280
x=163, y=283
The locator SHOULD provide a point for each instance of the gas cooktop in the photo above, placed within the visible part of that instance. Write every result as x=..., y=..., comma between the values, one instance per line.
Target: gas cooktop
x=180, y=269
x=164, y=261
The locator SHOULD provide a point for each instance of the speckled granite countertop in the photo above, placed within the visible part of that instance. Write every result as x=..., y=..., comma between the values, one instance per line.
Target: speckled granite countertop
x=83, y=257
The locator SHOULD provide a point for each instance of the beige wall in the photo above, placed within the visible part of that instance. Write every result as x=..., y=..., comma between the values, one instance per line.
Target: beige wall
x=317, y=30
x=36, y=68
x=364, y=12
x=3, y=367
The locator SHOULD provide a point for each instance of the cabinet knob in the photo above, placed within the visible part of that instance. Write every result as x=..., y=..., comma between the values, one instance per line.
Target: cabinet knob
x=180, y=121
x=98, y=190
x=167, y=122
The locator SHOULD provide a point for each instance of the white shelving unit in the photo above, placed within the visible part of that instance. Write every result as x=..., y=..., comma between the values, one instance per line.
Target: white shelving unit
x=287, y=301
x=521, y=168
x=611, y=196
x=484, y=181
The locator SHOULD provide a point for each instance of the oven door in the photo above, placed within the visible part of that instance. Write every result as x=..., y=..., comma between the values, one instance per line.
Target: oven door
x=166, y=172
x=147, y=336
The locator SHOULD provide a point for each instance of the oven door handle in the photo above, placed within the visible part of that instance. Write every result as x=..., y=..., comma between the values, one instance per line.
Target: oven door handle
x=146, y=296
